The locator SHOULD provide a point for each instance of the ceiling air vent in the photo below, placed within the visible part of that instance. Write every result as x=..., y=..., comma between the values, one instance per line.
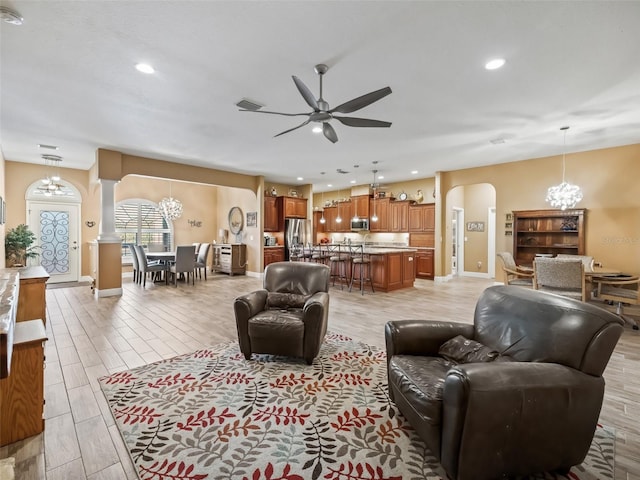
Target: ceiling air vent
x=248, y=105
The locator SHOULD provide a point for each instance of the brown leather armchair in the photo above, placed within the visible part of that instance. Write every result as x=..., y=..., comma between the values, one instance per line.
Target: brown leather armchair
x=524, y=399
x=289, y=315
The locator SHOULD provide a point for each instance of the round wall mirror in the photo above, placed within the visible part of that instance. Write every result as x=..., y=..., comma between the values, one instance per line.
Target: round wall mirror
x=236, y=220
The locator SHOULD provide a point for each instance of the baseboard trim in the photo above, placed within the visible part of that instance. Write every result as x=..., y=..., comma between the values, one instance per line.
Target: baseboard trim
x=108, y=292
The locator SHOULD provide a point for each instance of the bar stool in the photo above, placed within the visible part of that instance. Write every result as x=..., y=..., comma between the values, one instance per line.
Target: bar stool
x=338, y=265
x=320, y=255
x=363, y=262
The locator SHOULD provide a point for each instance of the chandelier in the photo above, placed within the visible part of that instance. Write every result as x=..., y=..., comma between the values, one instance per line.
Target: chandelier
x=564, y=195
x=51, y=181
x=170, y=208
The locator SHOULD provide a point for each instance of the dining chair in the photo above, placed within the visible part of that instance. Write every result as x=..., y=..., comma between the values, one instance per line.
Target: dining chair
x=185, y=263
x=514, y=274
x=563, y=277
x=136, y=264
x=201, y=261
x=620, y=290
x=146, y=266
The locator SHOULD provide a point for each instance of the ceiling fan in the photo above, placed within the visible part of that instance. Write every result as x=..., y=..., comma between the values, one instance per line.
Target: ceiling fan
x=323, y=114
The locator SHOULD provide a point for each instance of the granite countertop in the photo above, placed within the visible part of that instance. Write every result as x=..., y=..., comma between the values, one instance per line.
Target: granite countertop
x=383, y=250
x=273, y=246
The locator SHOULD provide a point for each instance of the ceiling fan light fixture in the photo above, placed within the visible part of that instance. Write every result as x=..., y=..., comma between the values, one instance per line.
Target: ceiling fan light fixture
x=145, y=68
x=495, y=63
x=10, y=16
x=317, y=129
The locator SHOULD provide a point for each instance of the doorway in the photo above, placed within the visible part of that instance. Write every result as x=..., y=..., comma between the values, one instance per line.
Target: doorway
x=56, y=224
x=457, y=242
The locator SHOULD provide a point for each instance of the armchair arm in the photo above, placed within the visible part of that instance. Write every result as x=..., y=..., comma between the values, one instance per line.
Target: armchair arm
x=245, y=307
x=421, y=337
x=493, y=413
x=315, y=315
x=522, y=272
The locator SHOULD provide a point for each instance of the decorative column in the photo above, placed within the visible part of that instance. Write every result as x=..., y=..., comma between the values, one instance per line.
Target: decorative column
x=108, y=264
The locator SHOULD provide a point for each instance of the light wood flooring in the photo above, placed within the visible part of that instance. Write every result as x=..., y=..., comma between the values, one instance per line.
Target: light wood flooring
x=89, y=338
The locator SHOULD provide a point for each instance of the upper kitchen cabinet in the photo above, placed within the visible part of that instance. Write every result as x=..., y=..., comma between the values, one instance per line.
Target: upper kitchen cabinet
x=270, y=214
x=360, y=206
x=345, y=214
x=293, y=207
x=422, y=218
x=399, y=216
x=330, y=214
x=380, y=207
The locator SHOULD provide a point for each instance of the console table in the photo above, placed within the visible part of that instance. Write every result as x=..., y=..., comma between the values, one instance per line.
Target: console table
x=21, y=359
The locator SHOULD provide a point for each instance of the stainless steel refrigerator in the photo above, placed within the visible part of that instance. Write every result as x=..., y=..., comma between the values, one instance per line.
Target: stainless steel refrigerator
x=295, y=234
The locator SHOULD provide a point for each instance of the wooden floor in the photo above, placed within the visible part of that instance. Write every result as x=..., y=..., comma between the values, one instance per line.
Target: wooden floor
x=89, y=338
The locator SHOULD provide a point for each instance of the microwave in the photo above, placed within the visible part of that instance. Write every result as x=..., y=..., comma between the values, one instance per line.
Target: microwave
x=360, y=224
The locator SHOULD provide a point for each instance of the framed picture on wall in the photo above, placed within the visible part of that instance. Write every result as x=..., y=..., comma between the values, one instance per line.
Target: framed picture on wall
x=475, y=226
x=508, y=217
x=252, y=219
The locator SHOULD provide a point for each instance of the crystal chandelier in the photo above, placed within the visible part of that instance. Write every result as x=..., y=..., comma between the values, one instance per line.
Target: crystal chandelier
x=51, y=183
x=170, y=208
x=565, y=195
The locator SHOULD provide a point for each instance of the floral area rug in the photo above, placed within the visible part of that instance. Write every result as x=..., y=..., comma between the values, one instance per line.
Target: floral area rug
x=214, y=415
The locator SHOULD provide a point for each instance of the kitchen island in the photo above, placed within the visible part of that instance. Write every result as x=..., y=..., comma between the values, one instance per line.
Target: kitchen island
x=392, y=268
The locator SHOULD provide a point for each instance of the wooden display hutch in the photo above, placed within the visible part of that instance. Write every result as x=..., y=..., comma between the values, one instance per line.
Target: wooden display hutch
x=547, y=232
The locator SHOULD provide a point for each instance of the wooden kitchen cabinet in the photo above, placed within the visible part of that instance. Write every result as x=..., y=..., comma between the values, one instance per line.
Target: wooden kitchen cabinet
x=293, y=207
x=408, y=269
x=318, y=227
x=271, y=214
x=330, y=214
x=422, y=218
x=399, y=216
x=230, y=258
x=380, y=207
x=424, y=264
x=360, y=206
x=273, y=254
x=344, y=212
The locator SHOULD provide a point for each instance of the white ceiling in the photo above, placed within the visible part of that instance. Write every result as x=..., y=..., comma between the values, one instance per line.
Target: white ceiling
x=68, y=79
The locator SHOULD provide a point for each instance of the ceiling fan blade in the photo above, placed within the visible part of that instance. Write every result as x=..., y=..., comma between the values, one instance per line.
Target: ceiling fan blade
x=329, y=132
x=306, y=93
x=275, y=113
x=361, y=102
x=362, y=122
x=294, y=128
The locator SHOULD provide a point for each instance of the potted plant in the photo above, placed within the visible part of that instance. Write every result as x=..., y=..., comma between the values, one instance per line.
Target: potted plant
x=18, y=246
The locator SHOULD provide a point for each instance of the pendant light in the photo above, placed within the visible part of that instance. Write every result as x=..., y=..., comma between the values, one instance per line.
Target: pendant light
x=374, y=217
x=322, y=220
x=564, y=195
x=170, y=208
x=338, y=217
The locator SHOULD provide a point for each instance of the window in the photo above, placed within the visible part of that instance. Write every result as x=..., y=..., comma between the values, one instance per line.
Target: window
x=140, y=223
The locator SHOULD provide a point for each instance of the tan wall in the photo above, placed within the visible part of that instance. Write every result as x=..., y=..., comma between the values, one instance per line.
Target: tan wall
x=198, y=201
x=608, y=178
x=18, y=178
x=478, y=199
x=247, y=201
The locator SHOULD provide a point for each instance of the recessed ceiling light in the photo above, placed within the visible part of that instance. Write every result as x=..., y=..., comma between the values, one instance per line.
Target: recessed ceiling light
x=10, y=16
x=380, y=177
x=352, y=181
x=144, y=68
x=329, y=185
x=414, y=172
x=317, y=129
x=494, y=64
x=300, y=179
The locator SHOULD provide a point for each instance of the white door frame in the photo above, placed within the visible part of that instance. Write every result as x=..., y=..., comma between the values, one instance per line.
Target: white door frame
x=71, y=200
x=458, y=217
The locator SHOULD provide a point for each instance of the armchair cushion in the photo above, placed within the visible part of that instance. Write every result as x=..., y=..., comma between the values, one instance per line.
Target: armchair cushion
x=286, y=300
x=462, y=350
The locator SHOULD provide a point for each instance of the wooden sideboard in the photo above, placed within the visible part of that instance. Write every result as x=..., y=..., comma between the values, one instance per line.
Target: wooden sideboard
x=32, y=302
x=21, y=360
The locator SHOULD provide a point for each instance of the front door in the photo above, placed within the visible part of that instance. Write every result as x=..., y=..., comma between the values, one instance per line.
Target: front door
x=57, y=231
